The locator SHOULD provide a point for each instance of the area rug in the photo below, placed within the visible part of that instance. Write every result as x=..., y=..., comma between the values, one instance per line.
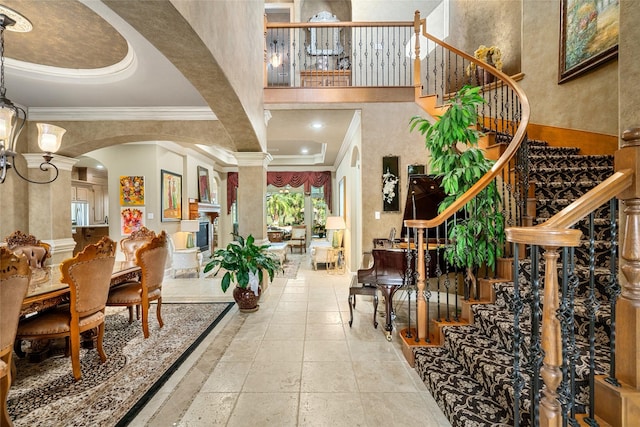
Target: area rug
x=45, y=394
x=291, y=266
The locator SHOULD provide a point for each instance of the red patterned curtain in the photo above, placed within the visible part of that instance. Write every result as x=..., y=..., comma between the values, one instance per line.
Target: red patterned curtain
x=232, y=185
x=282, y=179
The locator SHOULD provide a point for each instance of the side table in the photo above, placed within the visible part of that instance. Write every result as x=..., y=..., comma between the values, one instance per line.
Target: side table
x=335, y=261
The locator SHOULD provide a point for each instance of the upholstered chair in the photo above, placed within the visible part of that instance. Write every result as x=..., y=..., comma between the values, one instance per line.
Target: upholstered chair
x=151, y=258
x=88, y=275
x=298, y=238
x=130, y=244
x=35, y=250
x=14, y=282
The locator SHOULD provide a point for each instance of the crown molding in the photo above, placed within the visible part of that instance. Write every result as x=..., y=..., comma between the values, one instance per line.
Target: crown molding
x=75, y=114
x=61, y=162
x=253, y=158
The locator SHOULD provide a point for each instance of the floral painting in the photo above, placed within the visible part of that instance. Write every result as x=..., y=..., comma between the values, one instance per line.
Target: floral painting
x=131, y=190
x=131, y=219
x=589, y=35
x=390, y=184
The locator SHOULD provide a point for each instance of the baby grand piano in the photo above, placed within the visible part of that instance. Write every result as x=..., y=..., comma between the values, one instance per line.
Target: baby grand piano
x=392, y=266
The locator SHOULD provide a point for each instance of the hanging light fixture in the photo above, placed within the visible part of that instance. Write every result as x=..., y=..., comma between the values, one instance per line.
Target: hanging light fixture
x=13, y=117
x=275, y=58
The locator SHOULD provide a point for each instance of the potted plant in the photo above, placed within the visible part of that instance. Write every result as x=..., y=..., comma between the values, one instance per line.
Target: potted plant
x=244, y=263
x=477, y=239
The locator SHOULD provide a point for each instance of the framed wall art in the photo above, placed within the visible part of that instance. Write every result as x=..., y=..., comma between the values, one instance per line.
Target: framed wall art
x=390, y=184
x=204, y=189
x=588, y=36
x=131, y=219
x=171, y=196
x=342, y=198
x=131, y=190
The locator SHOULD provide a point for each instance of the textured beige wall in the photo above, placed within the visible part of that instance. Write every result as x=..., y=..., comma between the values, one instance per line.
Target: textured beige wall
x=589, y=102
x=240, y=57
x=252, y=214
x=490, y=23
x=385, y=131
x=629, y=51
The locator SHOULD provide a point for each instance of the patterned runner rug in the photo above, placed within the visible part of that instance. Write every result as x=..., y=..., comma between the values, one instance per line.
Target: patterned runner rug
x=291, y=266
x=45, y=394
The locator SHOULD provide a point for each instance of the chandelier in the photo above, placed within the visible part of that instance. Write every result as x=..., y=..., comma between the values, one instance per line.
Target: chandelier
x=13, y=117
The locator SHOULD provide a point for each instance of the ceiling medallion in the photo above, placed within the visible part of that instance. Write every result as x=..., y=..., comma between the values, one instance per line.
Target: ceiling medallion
x=22, y=24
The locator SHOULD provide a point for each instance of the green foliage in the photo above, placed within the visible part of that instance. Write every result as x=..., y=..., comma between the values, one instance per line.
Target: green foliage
x=239, y=258
x=453, y=143
x=285, y=208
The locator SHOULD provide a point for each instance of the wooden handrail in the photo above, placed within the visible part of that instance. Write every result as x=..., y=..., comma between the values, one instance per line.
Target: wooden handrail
x=503, y=161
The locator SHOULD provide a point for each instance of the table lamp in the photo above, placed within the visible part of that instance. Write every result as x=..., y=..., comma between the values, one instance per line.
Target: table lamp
x=336, y=223
x=190, y=226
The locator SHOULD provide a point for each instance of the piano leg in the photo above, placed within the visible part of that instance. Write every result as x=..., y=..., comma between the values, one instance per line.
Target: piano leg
x=388, y=291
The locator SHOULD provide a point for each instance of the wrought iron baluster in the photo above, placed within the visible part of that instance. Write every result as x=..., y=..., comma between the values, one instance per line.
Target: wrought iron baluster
x=613, y=290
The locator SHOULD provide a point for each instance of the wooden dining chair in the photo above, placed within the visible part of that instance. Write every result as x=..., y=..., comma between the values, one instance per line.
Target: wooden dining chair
x=14, y=282
x=129, y=246
x=88, y=275
x=151, y=258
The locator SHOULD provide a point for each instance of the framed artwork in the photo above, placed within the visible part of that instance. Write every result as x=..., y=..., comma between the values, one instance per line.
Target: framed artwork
x=131, y=190
x=171, y=190
x=131, y=219
x=390, y=184
x=342, y=198
x=415, y=170
x=204, y=189
x=588, y=36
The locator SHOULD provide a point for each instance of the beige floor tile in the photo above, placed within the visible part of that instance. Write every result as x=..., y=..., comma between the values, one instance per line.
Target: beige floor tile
x=325, y=332
x=331, y=409
x=397, y=409
x=326, y=351
x=241, y=350
x=280, y=351
x=328, y=377
x=292, y=306
x=388, y=376
x=273, y=377
x=288, y=317
x=285, y=331
x=373, y=350
x=324, y=317
x=328, y=304
x=209, y=409
x=227, y=377
x=265, y=409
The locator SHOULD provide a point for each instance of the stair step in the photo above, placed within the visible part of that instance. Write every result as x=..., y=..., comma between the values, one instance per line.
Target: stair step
x=547, y=175
x=546, y=160
x=459, y=396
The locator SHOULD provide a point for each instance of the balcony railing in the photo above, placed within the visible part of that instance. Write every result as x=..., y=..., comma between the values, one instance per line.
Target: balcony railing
x=363, y=54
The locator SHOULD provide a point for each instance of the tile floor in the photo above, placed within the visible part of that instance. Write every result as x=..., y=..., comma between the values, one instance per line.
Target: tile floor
x=295, y=362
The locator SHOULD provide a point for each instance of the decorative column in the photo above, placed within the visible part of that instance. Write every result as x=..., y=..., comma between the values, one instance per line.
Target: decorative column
x=50, y=206
x=252, y=188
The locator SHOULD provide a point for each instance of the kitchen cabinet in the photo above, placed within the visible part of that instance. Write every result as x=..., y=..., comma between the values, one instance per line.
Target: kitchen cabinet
x=100, y=204
x=80, y=193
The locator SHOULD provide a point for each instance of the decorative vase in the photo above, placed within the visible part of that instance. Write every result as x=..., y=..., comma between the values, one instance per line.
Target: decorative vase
x=246, y=299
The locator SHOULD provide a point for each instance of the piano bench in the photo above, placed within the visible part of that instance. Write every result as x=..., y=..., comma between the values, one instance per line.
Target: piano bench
x=356, y=288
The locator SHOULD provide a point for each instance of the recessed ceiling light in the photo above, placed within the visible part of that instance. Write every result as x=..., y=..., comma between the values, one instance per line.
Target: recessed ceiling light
x=304, y=150
x=317, y=125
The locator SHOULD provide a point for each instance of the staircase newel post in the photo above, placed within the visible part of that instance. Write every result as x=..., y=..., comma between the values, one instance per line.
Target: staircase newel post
x=550, y=408
x=421, y=301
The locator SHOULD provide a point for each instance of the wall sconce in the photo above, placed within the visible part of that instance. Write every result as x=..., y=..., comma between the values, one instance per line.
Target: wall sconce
x=13, y=117
x=275, y=59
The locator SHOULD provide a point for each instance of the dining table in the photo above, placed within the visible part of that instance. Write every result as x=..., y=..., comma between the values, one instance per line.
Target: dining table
x=46, y=290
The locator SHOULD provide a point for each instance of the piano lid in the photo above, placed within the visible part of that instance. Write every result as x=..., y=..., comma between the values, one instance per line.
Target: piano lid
x=423, y=198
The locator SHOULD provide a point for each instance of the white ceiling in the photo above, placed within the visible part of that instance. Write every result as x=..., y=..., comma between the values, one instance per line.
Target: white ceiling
x=140, y=80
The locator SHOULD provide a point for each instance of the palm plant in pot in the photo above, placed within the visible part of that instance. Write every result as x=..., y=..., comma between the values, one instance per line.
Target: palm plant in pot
x=244, y=263
x=478, y=239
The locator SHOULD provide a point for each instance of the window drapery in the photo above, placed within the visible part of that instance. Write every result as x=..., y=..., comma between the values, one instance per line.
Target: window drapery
x=282, y=179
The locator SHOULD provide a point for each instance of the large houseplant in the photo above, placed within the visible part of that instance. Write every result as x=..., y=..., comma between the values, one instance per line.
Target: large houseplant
x=244, y=263
x=477, y=239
